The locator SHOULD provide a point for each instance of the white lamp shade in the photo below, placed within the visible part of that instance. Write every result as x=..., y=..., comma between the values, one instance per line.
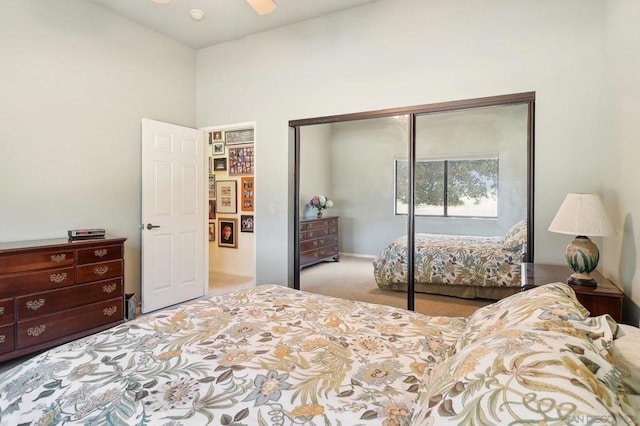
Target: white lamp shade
x=582, y=214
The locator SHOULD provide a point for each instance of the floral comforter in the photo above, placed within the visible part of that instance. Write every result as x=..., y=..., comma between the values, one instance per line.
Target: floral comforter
x=264, y=356
x=450, y=259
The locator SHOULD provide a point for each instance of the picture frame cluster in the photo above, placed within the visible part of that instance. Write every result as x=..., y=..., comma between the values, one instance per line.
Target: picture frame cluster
x=232, y=155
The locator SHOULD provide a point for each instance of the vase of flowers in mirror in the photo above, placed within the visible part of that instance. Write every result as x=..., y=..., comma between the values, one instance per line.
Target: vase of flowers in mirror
x=320, y=203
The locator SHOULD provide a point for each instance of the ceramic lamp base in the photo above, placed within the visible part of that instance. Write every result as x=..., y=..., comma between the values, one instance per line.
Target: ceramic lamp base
x=582, y=280
x=583, y=256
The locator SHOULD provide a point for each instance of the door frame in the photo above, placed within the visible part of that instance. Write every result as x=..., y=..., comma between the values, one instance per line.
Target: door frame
x=225, y=127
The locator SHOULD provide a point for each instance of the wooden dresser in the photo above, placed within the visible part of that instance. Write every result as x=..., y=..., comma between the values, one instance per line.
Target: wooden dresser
x=55, y=291
x=318, y=241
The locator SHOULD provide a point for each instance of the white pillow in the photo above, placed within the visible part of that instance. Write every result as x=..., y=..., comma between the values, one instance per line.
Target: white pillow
x=626, y=359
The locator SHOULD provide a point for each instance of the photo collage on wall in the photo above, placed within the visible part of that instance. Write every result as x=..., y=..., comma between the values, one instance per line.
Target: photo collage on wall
x=232, y=157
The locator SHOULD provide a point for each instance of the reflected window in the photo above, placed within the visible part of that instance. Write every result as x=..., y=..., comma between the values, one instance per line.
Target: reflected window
x=452, y=187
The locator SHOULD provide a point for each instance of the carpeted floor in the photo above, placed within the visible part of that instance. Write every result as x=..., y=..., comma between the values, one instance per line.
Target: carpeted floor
x=352, y=278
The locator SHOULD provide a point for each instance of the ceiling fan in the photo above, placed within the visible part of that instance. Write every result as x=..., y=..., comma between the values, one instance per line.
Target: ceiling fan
x=262, y=7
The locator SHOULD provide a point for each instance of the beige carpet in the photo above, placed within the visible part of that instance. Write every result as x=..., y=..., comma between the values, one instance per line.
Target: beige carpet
x=352, y=278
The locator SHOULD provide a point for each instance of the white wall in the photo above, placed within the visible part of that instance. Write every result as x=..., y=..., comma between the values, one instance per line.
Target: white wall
x=620, y=151
x=390, y=54
x=315, y=151
x=75, y=82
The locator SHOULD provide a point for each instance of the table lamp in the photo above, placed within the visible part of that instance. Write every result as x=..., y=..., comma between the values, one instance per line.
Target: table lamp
x=582, y=215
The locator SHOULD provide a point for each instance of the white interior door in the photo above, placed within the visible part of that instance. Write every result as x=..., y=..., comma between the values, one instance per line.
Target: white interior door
x=173, y=214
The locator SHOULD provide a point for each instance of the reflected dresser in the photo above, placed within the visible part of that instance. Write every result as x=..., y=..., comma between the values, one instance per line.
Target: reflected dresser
x=55, y=291
x=318, y=241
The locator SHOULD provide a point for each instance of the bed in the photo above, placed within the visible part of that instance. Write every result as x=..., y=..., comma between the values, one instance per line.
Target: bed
x=271, y=355
x=456, y=265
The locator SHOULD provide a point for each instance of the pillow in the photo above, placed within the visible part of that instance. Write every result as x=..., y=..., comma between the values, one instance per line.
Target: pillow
x=556, y=301
x=602, y=331
x=523, y=375
x=516, y=237
x=625, y=357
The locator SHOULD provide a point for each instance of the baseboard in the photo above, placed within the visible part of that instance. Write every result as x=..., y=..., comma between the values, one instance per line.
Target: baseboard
x=362, y=256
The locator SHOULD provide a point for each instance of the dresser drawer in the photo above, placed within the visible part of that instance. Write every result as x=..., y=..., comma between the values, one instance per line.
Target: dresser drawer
x=50, y=302
x=6, y=339
x=99, y=271
x=99, y=254
x=36, y=281
x=22, y=262
x=328, y=251
x=308, y=257
x=49, y=327
x=6, y=311
x=308, y=245
x=317, y=233
x=323, y=224
x=328, y=241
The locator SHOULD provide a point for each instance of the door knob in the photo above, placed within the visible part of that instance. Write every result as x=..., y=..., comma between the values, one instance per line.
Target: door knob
x=150, y=226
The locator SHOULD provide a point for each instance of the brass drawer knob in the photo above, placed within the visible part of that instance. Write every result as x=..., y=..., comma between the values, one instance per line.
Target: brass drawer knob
x=110, y=311
x=109, y=288
x=2, y=338
x=100, y=270
x=1, y=310
x=36, y=331
x=34, y=305
x=57, y=258
x=100, y=252
x=58, y=278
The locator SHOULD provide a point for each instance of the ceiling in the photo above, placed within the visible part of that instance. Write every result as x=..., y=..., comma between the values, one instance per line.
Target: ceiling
x=224, y=20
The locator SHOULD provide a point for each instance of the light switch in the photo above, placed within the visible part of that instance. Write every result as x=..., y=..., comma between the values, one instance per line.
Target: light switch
x=272, y=208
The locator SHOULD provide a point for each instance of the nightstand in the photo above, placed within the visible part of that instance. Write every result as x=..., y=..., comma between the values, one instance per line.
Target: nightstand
x=606, y=298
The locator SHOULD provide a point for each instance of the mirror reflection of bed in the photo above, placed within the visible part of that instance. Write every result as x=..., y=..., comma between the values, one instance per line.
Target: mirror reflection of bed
x=473, y=171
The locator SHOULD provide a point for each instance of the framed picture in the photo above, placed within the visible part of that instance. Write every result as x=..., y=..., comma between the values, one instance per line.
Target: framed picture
x=246, y=223
x=246, y=202
x=212, y=209
x=227, y=232
x=212, y=186
x=215, y=136
x=217, y=148
x=226, y=196
x=237, y=137
x=212, y=231
x=219, y=164
x=241, y=161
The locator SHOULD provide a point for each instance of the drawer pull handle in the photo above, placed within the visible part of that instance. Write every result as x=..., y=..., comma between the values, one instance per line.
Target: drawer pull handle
x=36, y=331
x=57, y=258
x=2, y=338
x=100, y=270
x=1, y=310
x=58, y=278
x=100, y=252
x=110, y=311
x=34, y=305
x=109, y=288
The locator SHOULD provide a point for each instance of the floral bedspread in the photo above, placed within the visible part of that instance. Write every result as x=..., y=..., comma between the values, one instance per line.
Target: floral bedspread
x=264, y=356
x=450, y=259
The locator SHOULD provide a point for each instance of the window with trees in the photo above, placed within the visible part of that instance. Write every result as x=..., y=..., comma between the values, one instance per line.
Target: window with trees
x=450, y=187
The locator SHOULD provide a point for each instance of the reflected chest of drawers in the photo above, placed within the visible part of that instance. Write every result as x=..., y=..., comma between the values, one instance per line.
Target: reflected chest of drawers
x=55, y=291
x=318, y=241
